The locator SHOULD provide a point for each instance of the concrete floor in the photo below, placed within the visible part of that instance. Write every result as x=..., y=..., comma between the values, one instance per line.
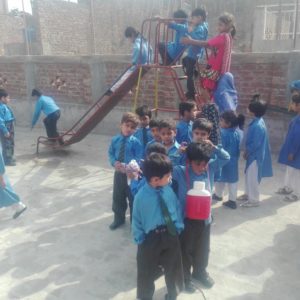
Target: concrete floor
x=62, y=247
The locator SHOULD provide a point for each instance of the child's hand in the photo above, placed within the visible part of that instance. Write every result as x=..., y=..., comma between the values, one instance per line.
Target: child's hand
x=183, y=147
x=209, y=142
x=2, y=182
x=186, y=40
x=291, y=157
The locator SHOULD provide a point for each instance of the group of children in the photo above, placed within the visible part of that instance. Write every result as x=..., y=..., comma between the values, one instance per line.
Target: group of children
x=171, y=158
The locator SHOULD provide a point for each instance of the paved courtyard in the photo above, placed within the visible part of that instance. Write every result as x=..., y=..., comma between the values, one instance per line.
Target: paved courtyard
x=61, y=248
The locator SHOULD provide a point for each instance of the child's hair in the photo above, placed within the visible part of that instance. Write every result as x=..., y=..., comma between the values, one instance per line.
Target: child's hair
x=203, y=124
x=154, y=123
x=3, y=93
x=199, y=12
x=130, y=117
x=180, y=14
x=170, y=124
x=233, y=120
x=296, y=99
x=131, y=32
x=156, y=165
x=36, y=92
x=257, y=106
x=228, y=20
x=156, y=148
x=186, y=106
x=199, y=152
x=143, y=111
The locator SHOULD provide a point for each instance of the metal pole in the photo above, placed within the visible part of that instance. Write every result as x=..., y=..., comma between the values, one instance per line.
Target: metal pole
x=25, y=28
x=93, y=26
x=296, y=24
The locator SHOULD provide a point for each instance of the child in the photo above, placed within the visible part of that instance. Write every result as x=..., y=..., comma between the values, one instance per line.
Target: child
x=7, y=132
x=155, y=228
x=257, y=154
x=198, y=31
x=154, y=128
x=231, y=135
x=290, y=156
x=7, y=195
x=196, y=235
x=187, y=113
x=220, y=59
x=124, y=147
x=225, y=96
x=142, y=54
x=48, y=106
x=201, y=130
x=167, y=131
x=143, y=134
x=172, y=52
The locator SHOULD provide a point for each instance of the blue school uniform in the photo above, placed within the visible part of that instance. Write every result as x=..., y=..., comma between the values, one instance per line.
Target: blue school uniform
x=200, y=33
x=144, y=56
x=291, y=145
x=133, y=149
x=8, y=196
x=231, y=141
x=184, y=132
x=175, y=156
x=147, y=214
x=6, y=116
x=258, y=148
x=176, y=48
x=181, y=185
x=139, y=134
x=46, y=105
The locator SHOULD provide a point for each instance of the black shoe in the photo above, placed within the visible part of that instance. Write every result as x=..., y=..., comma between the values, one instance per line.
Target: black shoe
x=231, y=204
x=216, y=198
x=205, y=279
x=189, y=288
x=116, y=224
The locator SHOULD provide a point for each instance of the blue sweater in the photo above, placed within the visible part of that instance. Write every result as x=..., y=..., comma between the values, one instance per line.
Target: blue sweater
x=46, y=105
x=175, y=49
x=184, y=132
x=6, y=115
x=147, y=214
x=200, y=33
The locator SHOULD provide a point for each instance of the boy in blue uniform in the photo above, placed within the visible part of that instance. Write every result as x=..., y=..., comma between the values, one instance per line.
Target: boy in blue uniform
x=167, y=131
x=154, y=128
x=48, y=106
x=187, y=113
x=123, y=148
x=7, y=131
x=143, y=134
x=231, y=135
x=155, y=228
x=257, y=154
x=290, y=156
x=8, y=197
x=201, y=130
x=172, y=52
x=198, y=31
x=203, y=160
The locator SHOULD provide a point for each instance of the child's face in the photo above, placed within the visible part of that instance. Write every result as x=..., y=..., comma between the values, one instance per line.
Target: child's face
x=160, y=182
x=222, y=27
x=167, y=135
x=155, y=133
x=128, y=128
x=196, y=20
x=190, y=115
x=295, y=93
x=200, y=135
x=144, y=121
x=295, y=107
x=223, y=124
x=198, y=167
x=5, y=100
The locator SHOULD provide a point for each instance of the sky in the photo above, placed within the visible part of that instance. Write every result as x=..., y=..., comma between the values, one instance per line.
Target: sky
x=18, y=4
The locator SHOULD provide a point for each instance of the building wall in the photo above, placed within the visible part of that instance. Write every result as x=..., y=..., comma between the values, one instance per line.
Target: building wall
x=88, y=77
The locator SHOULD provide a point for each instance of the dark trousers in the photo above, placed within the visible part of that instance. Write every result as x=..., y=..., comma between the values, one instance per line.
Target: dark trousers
x=189, y=66
x=8, y=144
x=195, y=246
x=50, y=123
x=167, y=60
x=121, y=192
x=159, y=249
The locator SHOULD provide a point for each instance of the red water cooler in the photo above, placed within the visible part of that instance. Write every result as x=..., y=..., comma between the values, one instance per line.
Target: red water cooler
x=198, y=202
